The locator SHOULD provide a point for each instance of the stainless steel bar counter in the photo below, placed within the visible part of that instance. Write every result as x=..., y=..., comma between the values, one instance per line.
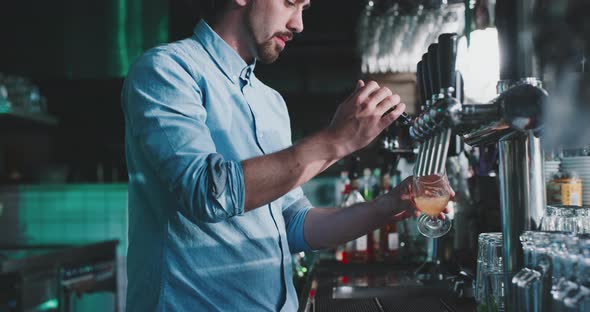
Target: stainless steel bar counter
x=45, y=277
x=380, y=287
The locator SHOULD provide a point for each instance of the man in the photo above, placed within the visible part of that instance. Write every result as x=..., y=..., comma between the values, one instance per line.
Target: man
x=215, y=204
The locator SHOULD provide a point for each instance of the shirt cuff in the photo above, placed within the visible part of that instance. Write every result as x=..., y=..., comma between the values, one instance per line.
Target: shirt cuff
x=295, y=226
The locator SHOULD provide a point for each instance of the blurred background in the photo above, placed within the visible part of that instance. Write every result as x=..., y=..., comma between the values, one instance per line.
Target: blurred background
x=62, y=162
x=77, y=54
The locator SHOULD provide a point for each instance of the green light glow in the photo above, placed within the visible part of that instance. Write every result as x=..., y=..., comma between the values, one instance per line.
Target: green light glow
x=48, y=305
x=122, y=36
x=73, y=213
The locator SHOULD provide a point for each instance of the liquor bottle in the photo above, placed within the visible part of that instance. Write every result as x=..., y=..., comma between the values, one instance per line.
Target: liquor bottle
x=389, y=242
x=342, y=251
x=367, y=185
x=340, y=188
x=360, y=249
x=376, y=181
x=388, y=234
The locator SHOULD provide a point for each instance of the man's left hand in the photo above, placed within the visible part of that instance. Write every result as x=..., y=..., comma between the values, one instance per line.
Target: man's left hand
x=399, y=203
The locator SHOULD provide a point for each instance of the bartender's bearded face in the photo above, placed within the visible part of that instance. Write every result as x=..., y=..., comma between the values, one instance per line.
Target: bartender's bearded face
x=272, y=23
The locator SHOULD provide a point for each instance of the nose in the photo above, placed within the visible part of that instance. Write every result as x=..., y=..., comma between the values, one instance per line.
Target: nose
x=295, y=24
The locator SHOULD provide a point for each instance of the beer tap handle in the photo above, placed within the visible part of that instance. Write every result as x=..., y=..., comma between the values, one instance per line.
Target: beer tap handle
x=433, y=69
x=447, y=56
x=426, y=78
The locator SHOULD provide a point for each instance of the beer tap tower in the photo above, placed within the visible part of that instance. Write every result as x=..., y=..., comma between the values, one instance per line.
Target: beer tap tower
x=436, y=81
x=512, y=120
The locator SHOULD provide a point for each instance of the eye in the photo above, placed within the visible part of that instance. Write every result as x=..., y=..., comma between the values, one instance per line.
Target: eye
x=290, y=3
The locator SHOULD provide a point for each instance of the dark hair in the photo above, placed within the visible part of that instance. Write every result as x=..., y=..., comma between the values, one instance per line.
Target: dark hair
x=209, y=10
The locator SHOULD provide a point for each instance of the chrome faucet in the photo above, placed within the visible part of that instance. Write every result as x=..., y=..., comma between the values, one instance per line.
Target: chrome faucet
x=436, y=84
x=513, y=121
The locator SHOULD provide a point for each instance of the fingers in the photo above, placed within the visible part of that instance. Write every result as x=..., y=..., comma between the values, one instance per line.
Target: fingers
x=359, y=85
x=390, y=117
x=371, y=96
x=378, y=97
x=387, y=104
x=365, y=92
x=442, y=215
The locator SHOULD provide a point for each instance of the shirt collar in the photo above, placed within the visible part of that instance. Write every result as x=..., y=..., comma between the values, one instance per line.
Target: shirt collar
x=247, y=72
x=230, y=62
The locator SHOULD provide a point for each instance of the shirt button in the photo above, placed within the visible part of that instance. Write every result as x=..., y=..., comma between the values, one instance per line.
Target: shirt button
x=260, y=135
x=234, y=77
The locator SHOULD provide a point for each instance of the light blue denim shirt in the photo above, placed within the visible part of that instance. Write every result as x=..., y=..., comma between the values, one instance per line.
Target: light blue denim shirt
x=193, y=110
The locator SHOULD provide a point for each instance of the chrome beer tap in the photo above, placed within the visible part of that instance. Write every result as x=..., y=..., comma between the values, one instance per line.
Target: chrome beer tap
x=513, y=120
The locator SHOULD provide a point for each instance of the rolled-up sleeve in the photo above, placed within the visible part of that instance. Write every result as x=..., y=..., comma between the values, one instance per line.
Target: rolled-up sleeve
x=295, y=209
x=166, y=117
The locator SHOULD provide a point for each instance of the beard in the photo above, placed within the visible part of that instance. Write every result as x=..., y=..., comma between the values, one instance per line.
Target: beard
x=268, y=52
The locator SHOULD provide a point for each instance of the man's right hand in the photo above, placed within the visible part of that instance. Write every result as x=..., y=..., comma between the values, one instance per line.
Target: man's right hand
x=362, y=116
x=358, y=120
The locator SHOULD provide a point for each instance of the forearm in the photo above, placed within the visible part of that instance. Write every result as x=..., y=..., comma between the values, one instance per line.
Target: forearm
x=357, y=121
x=329, y=227
x=271, y=176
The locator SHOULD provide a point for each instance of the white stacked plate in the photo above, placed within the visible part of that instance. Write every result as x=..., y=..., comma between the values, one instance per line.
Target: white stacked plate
x=581, y=166
x=551, y=168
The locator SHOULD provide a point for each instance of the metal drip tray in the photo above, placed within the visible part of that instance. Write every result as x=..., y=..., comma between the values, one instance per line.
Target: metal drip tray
x=356, y=292
x=379, y=288
x=390, y=284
